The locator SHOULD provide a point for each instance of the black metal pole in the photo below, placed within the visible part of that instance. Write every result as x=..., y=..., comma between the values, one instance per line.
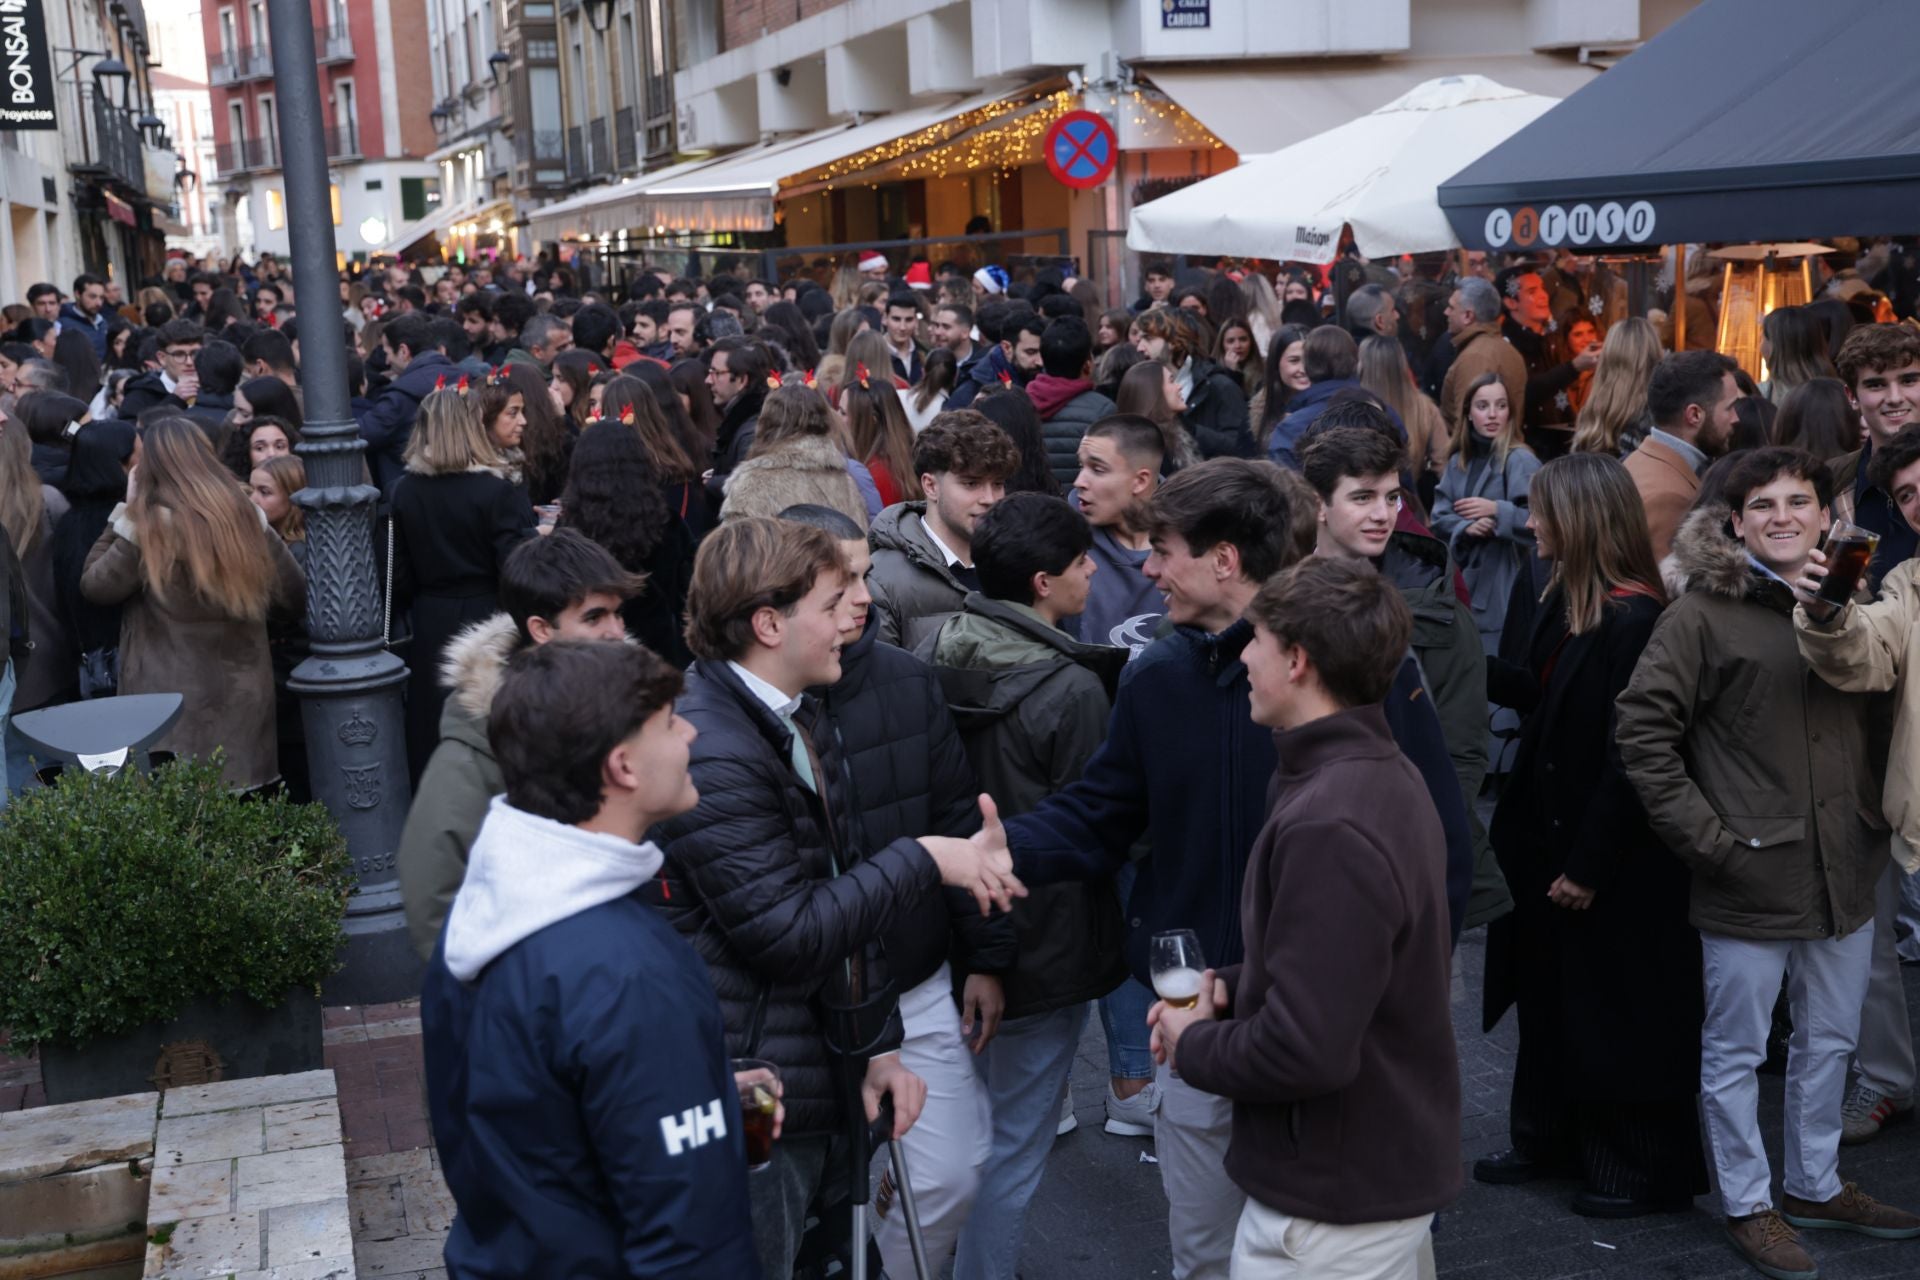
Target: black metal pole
x=350, y=687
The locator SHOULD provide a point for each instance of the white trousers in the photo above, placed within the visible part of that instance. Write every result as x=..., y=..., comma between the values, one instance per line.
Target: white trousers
x=949, y=1142
x=1826, y=985
x=1270, y=1245
x=1190, y=1133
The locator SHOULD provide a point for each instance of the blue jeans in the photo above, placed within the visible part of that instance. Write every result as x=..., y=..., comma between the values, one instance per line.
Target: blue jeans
x=1025, y=1068
x=1123, y=1012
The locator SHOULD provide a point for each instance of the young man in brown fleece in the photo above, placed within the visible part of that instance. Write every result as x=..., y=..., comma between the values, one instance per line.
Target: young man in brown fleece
x=1333, y=1038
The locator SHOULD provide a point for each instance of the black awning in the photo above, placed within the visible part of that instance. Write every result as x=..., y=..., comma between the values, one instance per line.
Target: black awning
x=1745, y=120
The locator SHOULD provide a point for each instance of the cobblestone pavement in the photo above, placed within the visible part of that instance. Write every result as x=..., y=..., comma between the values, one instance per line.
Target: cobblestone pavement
x=1100, y=1212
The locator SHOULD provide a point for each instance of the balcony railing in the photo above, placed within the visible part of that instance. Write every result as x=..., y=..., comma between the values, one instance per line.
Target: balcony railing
x=256, y=62
x=247, y=155
x=223, y=66
x=540, y=146
x=113, y=147
x=333, y=43
x=576, y=154
x=343, y=141
x=626, y=144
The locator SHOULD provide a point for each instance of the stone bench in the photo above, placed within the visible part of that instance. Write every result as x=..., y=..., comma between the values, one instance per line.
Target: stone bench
x=245, y=1178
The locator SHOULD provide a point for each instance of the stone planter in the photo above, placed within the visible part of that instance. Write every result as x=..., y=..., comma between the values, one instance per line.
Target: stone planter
x=212, y=1039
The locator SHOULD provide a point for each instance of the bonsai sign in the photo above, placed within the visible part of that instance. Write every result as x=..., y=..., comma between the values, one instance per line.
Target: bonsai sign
x=1081, y=149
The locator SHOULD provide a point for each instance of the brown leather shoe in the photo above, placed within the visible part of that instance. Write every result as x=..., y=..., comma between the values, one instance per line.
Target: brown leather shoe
x=1852, y=1210
x=1765, y=1240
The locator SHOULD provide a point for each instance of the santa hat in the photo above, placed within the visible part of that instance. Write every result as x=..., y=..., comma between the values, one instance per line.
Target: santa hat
x=873, y=262
x=920, y=276
x=991, y=278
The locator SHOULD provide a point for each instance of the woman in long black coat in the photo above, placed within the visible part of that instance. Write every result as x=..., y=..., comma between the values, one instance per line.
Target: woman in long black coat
x=1597, y=954
x=456, y=517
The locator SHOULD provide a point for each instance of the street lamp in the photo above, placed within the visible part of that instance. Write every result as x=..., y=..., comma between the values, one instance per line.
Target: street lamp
x=150, y=125
x=349, y=688
x=112, y=69
x=500, y=66
x=600, y=13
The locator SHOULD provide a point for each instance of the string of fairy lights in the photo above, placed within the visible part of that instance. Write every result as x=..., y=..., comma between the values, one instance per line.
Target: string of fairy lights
x=999, y=137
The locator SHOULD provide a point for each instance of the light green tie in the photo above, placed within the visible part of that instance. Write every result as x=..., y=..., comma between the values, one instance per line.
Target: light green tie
x=802, y=758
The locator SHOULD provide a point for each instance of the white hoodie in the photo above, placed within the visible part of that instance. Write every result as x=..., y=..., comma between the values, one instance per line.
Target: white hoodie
x=526, y=872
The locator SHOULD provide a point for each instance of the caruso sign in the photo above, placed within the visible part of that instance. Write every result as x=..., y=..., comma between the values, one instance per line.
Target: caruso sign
x=26, y=69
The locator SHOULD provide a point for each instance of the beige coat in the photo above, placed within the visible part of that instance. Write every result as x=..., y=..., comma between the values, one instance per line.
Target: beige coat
x=1667, y=488
x=1479, y=349
x=1872, y=648
x=808, y=469
x=183, y=645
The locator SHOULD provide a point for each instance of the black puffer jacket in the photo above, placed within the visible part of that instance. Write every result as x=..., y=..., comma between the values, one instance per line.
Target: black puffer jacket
x=749, y=880
x=911, y=778
x=1217, y=413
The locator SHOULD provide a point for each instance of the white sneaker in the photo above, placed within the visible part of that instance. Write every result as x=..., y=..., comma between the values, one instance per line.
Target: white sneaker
x=1132, y=1117
x=1867, y=1111
x=1068, y=1121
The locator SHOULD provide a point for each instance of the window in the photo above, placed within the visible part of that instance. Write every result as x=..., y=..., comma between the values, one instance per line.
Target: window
x=346, y=118
x=543, y=51
x=229, y=33
x=257, y=23
x=537, y=10
x=276, y=209
x=237, y=121
x=418, y=197
x=267, y=130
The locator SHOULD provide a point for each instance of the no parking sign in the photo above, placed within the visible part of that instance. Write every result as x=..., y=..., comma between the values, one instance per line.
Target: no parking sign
x=1081, y=149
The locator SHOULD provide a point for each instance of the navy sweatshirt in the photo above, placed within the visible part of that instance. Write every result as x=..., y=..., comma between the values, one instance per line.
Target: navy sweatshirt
x=1185, y=764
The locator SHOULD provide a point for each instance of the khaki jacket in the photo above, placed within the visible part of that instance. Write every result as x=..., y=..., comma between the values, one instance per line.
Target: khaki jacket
x=1873, y=648
x=1756, y=772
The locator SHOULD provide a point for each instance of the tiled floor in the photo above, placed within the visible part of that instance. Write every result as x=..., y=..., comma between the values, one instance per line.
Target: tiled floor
x=374, y=1051
x=400, y=1205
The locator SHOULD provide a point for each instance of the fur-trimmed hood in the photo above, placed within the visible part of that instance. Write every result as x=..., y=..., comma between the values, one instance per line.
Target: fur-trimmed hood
x=473, y=664
x=1707, y=557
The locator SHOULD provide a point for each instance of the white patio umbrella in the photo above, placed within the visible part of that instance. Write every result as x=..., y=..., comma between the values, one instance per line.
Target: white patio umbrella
x=1377, y=174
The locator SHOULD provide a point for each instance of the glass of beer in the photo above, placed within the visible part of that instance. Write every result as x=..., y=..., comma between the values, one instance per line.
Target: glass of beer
x=1177, y=967
x=759, y=1084
x=1849, y=550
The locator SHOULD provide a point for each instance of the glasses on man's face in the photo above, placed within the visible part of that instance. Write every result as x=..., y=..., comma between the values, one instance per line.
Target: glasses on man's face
x=181, y=353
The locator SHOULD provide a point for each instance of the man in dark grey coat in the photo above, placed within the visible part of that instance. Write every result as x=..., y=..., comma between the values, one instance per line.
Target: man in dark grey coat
x=922, y=551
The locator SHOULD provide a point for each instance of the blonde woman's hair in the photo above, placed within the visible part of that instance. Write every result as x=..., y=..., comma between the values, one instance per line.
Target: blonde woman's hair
x=1463, y=432
x=23, y=505
x=448, y=437
x=1597, y=527
x=289, y=476
x=1619, y=394
x=197, y=530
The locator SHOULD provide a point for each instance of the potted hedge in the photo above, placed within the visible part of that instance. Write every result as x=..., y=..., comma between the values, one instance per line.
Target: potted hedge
x=158, y=928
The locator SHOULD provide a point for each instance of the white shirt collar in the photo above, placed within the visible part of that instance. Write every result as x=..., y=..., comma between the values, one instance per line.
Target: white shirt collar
x=945, y=550
x=166, y=382
x=777, y=702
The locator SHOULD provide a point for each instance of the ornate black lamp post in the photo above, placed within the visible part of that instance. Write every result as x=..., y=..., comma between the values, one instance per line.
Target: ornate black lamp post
x=350, y=686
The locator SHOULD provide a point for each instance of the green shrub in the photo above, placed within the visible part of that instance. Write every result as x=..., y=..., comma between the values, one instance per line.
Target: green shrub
x=123, y=899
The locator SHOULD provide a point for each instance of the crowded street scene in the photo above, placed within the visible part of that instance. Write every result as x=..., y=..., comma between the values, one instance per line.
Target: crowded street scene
x=1013, y=641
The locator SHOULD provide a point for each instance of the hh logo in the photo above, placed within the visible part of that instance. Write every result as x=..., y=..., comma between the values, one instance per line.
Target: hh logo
x=694, y=1127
